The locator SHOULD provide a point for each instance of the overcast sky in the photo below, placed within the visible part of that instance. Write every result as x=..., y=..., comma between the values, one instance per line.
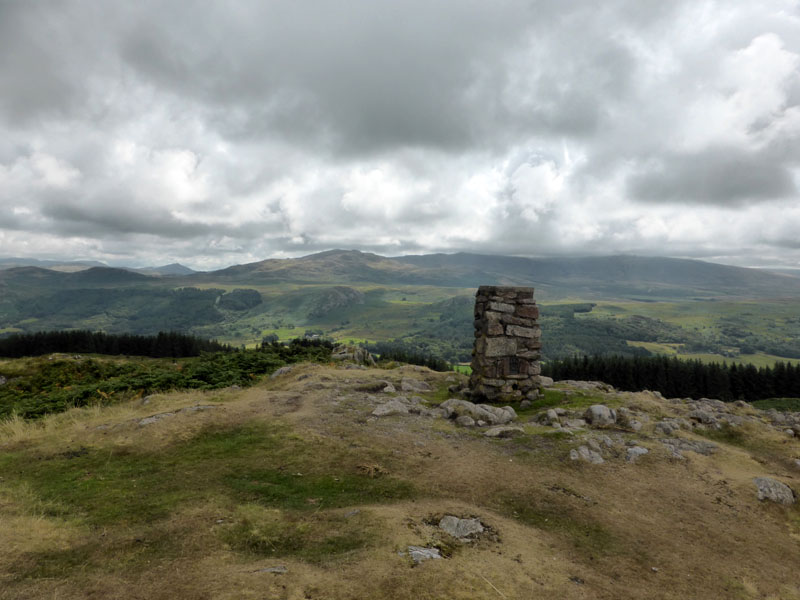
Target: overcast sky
x=215, y=133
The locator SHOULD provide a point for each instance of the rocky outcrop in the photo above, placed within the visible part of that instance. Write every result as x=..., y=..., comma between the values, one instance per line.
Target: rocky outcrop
x=354, y=354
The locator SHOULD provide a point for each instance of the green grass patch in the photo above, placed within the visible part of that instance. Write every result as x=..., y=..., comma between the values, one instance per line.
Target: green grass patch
x=103, y=486
x=300, y=491
x=727, y=435
x=439, y=395
x=133, y=552
x=588, y=537
x=569, y=399
x=781, y=404
x=315, y=539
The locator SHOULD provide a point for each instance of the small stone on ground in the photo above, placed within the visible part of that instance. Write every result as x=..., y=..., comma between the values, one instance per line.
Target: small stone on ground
x=419, y=554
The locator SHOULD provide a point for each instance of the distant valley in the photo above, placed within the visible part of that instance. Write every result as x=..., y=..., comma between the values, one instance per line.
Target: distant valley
x=621, y=304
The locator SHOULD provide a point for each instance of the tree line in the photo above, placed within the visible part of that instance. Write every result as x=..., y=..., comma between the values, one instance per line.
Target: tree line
x=400, y=351
x=676, y=378
x=163, y=345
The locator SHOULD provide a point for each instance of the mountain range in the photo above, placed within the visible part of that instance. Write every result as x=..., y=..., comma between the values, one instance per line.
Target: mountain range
x=605, y=277
x=72, y=266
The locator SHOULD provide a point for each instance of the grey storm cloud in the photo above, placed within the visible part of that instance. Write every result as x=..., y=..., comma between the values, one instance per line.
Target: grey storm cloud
x=716, y=175
x=230, y=132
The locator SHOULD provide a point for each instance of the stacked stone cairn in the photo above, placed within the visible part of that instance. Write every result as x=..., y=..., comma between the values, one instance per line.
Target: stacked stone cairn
x=505, y=358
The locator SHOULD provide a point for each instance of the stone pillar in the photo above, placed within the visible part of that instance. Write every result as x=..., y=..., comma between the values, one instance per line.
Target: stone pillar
x=505, y=358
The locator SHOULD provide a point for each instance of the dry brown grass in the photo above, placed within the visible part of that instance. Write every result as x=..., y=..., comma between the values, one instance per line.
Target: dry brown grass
x=659, y=528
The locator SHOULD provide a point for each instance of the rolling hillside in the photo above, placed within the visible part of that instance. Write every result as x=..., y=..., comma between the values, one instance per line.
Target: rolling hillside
x=620, y=304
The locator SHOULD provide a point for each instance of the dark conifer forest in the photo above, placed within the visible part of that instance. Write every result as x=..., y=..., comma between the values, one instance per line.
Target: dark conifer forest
x=164, y=345
x=680, y=378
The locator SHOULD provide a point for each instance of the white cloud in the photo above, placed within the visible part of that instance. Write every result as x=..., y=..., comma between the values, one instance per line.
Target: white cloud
x=241, y=131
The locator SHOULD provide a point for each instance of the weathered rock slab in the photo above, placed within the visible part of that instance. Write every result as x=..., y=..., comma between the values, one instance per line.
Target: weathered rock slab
x=503, y=431
x=774, y=490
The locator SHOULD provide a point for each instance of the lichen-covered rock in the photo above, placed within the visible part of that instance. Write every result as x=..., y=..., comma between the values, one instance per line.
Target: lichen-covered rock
x=599, y=415
x=465, y=421
x=774, y=490
x=667, y=427
x=462, y=529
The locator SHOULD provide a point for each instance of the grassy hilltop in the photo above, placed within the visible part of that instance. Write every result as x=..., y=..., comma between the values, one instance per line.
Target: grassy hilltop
x=292, y=489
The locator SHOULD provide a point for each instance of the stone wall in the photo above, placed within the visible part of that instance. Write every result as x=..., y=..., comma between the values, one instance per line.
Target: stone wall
x=505, y=358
